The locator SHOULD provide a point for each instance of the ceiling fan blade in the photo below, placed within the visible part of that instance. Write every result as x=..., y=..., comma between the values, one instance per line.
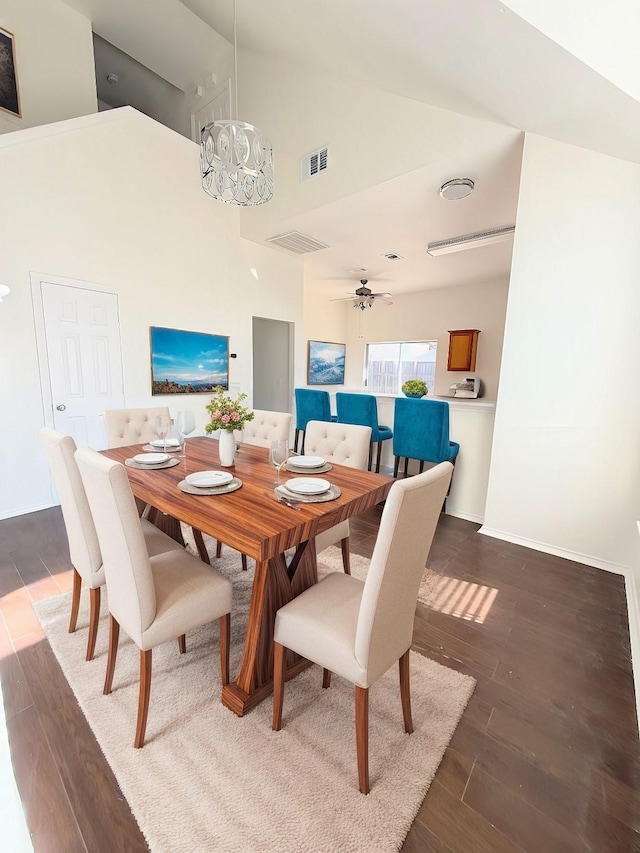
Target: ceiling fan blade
x=383, y=295
x=344, y=298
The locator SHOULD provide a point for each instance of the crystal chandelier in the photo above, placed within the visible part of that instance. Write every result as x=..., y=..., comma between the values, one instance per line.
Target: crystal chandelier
x=236, y=161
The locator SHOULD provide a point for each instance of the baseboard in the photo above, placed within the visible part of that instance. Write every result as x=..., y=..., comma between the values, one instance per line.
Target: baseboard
x=12, y=513
x=576, y=556
x=633, y=610
x=467, y=516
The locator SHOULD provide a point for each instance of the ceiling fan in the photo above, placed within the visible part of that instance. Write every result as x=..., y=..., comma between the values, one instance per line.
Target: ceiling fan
x=363, y=297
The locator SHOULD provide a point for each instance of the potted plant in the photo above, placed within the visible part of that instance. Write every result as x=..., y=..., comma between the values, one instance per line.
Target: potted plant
x=227, y=415
x=415, y=388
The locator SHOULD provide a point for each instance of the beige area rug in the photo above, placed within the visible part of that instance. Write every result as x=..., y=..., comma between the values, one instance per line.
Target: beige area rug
x=207, y=780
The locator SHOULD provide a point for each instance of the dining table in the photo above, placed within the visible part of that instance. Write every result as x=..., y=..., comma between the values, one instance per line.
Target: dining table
x=253, y=521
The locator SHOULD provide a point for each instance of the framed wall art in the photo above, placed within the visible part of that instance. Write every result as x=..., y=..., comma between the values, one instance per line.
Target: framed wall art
x=9, y=100
x=325, y=364
x=187, y=362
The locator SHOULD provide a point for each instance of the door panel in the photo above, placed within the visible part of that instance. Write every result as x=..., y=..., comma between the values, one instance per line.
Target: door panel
x=84, y=359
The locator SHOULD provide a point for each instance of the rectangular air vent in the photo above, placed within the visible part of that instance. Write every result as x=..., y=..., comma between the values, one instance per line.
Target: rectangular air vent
x=296, y=242
x=392, y=256
x=314, y=163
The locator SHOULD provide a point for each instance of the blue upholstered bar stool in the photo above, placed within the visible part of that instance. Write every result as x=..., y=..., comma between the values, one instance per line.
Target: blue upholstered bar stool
x=363, y=409
x=311, y=405
x=421, y=431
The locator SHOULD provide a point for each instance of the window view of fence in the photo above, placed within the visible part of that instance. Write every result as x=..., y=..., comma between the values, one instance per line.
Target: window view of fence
x=388, y=365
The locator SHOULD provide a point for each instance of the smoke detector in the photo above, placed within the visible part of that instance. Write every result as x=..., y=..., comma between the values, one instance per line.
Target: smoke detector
x=457, y=188
x=112, y=78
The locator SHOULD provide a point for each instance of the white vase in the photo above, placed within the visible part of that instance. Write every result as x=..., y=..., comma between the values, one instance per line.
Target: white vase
x=227, y=448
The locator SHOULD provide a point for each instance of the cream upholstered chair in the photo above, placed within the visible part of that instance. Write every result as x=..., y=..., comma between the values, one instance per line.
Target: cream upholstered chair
x=261, y=431
x=154, y=599
x=132, y=426
x=138, y=426
x=267, y=427
x=360, y=629
x=344, y=444
x=84, y=547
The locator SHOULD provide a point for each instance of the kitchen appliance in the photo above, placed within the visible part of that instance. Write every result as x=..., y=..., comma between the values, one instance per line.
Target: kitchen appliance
x=471, y=388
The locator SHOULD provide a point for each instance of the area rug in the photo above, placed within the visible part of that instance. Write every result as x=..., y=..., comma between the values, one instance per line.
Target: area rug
x=208, y=780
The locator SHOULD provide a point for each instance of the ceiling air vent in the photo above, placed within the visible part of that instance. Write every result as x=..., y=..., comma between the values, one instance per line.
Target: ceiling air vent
x=296, y=242
x=392, y=256
x=314, y=163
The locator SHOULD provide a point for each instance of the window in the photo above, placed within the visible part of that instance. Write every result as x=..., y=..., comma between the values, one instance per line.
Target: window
x=388, y=365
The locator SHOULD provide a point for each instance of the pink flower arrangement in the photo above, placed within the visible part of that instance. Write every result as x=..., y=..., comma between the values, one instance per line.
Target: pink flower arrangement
x=227, y=413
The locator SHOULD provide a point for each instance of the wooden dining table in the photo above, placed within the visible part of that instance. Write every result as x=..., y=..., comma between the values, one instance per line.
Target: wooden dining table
x=254, y=522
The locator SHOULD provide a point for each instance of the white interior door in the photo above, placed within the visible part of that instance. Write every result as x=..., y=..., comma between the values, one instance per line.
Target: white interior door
x=83, y=360
x=218, y=108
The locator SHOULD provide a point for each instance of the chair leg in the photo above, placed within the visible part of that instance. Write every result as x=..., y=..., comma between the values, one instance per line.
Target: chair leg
x=114, y=633
x=326, y=678
x=200, y=546
x=94, y=618
x=75, y=601
x=278, y=685
x=362, y=737
x=378, y=457
x=370, y=455
x=218, y=549
x=225, y=636
x=295, y=440
x=182, y=643
x=405, y=691
x=143, y=697
x=346, y=558
x=406, y=466
x=396, y=462
x=244, y=562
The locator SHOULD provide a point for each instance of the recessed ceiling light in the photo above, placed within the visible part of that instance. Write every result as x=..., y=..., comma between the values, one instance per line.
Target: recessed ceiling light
x=457, y=188
x=112, y=78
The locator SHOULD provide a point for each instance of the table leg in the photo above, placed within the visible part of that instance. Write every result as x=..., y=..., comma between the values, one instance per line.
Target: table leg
x=274, y=585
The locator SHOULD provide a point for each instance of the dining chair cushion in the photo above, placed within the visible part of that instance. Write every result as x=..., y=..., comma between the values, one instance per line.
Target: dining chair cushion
x=267, y=427
x=132, y=426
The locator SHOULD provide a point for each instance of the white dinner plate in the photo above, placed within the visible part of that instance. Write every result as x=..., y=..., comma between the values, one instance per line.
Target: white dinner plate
x=306, y=486
x=170, y=442
x=209, y=479
x=306, y=461
x=151, y=458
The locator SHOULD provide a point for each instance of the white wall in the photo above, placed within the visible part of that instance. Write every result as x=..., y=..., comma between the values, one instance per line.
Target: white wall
x=603, y=35
x=566, y=456
x=115, y=199
x=428, y=315
x=54, y=62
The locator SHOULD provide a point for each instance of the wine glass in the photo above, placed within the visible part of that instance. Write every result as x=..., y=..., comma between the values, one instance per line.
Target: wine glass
x=279, y=455
x=162, y=429
x=186, y=423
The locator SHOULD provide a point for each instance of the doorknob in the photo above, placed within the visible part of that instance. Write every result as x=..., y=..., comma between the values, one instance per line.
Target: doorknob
x=61, y=407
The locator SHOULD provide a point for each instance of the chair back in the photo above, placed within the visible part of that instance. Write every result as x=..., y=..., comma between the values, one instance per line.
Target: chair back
x=421, y=429
x=267, y=427
x=357, y=409
x=84, y=547
x=311, y=405
x=132, y=426
x=132, y=596
x=407, y=527
x=344, y=444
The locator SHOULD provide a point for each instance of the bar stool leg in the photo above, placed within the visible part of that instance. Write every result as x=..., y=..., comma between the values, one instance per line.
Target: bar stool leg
x=396, y=462
x=370, y=455
x=406, y=466
x=378, y=457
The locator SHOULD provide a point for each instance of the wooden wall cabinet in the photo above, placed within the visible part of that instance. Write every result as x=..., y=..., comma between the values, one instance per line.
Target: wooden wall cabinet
x=463, y=346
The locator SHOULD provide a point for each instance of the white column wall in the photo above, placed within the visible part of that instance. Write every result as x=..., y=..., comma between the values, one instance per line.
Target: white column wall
x=565, y=469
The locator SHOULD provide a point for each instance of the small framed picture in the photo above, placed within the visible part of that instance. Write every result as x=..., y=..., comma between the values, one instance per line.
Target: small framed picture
x=9, y=100
x=325, y=363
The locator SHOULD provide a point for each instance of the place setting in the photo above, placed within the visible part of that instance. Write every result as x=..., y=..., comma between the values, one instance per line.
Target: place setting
x=307, y=465
x=307, y=490
x=210, y=483
x=152, y=461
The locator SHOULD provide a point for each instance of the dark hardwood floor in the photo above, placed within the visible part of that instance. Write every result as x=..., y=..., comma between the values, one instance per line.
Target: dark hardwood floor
x=546, y=756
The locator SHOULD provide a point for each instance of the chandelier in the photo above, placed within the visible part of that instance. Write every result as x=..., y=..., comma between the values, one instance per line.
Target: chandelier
x=236, y=160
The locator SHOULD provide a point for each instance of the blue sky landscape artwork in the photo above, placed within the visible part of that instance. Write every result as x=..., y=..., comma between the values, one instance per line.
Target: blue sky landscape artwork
x=326, y=363
x=187, y=362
